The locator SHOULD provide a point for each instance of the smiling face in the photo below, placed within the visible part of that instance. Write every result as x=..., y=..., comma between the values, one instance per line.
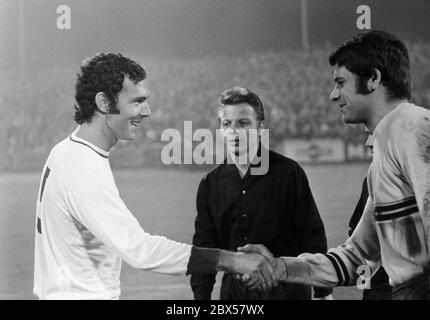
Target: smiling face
x=132, y=104
x=236, y=121
x=355, y=107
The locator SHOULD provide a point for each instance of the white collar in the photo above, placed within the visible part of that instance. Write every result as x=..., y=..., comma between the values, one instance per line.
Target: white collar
x=99, y=150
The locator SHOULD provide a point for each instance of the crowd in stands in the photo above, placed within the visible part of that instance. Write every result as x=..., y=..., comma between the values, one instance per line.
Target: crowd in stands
x=37, y=111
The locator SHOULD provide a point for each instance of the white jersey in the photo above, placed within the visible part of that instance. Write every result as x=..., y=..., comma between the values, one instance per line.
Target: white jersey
x=395, y=227
x=84, y=229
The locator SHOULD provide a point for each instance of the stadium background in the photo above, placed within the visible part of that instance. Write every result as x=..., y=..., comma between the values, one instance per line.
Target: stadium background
x=192, y=50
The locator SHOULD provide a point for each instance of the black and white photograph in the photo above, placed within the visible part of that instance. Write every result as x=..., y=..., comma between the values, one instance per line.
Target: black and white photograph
x=235, y=151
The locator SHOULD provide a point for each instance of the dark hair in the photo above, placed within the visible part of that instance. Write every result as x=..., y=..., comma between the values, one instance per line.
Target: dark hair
x=238, y=95
x=380, y=50
x=105, y=73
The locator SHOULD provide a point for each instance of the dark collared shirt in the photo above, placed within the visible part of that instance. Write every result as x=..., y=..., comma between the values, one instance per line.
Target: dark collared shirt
x=276, y=209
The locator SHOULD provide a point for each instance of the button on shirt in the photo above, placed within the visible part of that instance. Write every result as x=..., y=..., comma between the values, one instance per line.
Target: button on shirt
x=276, y=209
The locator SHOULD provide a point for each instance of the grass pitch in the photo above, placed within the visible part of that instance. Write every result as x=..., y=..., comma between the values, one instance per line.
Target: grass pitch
x=164, y=203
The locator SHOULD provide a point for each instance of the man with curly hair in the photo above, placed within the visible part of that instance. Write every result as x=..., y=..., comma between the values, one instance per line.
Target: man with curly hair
x=83, y=228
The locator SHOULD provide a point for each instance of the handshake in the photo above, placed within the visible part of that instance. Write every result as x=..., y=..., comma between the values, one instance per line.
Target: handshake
x=255, y=265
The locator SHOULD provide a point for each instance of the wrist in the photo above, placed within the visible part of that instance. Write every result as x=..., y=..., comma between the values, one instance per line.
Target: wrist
x=281, y=269
x=225, y=261
x=203, y=261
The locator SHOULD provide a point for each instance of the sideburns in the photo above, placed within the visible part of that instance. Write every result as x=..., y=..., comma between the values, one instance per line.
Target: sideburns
x=112, y=107
x=361, y=86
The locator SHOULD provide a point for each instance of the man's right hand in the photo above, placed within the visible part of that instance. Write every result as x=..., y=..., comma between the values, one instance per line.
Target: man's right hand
x=309, y=269
x=257, y=266
x=277, y=265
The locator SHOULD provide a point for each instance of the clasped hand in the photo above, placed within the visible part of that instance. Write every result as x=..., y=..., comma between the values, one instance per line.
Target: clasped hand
x=258, y=268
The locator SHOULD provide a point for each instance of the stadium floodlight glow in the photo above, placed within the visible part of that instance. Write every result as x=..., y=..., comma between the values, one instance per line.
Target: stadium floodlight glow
x=211, y=150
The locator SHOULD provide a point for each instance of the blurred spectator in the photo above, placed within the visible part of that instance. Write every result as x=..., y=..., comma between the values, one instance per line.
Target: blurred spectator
x=37, y=109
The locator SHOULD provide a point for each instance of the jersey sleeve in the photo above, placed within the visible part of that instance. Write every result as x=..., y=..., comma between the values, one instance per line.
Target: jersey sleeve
x=95, y=202
x=360, y=253
x=411, y=151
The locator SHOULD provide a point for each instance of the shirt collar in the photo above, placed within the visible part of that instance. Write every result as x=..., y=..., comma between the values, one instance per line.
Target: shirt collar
x=379, y=125
x=370, y=141
x=229, y=167
x=252, y=154
x=99, y=151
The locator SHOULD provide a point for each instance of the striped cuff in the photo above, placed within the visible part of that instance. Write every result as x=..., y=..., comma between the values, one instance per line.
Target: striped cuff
x=340, y=267
x=399, y=209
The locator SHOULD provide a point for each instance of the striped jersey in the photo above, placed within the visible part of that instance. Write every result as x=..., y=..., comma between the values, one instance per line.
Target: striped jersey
x=395, y=228
x=84, y=230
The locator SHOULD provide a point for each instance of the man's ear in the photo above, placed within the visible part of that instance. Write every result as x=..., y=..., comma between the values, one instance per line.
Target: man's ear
x=102, y=102
x=375, y=81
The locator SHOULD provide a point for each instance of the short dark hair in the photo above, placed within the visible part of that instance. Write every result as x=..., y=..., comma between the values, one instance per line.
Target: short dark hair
x=238, y=95
x=380, y=50
x=105, y=72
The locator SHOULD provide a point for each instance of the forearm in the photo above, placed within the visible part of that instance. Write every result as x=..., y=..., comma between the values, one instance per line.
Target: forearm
x=226, y=261
x=203, y=261
x=320, y=272
x=210, y=260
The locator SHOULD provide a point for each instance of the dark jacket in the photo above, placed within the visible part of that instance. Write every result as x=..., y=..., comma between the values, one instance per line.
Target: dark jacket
x=276, y=209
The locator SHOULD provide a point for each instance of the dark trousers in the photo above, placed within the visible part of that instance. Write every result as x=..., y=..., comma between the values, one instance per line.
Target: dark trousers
x=417, y=288
x=380, y=287
x=376, y=294
x=232, y=289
